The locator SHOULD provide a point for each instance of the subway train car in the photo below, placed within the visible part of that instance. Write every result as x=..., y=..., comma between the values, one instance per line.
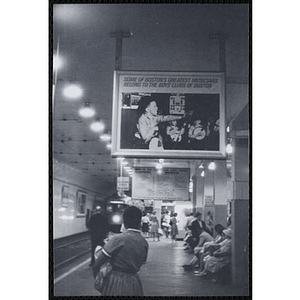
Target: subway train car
x=114, y=207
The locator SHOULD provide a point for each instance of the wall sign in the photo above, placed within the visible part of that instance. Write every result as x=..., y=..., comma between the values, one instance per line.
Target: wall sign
x=167, y=114
x=123, y=183
x=171, y=184
x=209, y=201
x=65, y=195
x=81, y=203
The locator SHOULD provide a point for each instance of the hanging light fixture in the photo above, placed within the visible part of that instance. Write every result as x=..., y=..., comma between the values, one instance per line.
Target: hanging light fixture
x=73, y=91
x=212, y=166
x=229, y=148
x=97, y=125
x=191, y=185
x=159, y=166
x=105, y=136
x=86, y=111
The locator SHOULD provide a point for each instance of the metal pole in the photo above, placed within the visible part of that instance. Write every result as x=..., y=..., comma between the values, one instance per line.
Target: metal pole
x=119, y=35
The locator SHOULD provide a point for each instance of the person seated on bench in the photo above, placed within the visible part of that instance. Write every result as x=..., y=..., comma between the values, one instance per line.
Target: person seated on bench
x=204, y=237
x=219, y=258
x=210, y=247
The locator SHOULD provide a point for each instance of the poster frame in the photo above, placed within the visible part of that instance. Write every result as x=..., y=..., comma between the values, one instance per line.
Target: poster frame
x=81, y=203
x=117, y=151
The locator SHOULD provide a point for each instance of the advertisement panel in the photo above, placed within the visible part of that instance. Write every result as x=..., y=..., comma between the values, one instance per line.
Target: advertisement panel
x=167, y=114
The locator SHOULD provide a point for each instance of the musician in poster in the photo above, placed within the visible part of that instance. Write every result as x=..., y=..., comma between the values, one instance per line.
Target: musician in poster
x=147, y=127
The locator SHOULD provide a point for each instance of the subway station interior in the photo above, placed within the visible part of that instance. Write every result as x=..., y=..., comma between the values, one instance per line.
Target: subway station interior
x=96, y=46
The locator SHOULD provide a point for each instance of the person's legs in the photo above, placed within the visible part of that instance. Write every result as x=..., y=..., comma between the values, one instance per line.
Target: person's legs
x=192, y=262
x=201, y=262
x=93, y=247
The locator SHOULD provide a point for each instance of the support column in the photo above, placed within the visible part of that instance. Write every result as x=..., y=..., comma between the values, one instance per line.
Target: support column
x=221, y=201
x=240, y=212
x=198, y=193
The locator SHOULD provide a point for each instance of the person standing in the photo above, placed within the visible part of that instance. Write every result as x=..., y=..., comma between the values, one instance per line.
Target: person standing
x=145, y=224
x=154, y=226
x=166, y=224
x=174, y=228
x=98, y=226
x=127, y=253
x=209, y=222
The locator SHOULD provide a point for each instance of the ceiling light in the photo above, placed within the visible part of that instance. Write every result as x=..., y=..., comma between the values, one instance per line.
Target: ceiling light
x=191, y=185
x=97, y=126
x=86, y=111
x=159, y=166
x=202, y=174
x=105, y=137
x=108, y=146
x=228, y=129
x=73, y=91
x=229, y=148
x=159, y=171
x=212, y=166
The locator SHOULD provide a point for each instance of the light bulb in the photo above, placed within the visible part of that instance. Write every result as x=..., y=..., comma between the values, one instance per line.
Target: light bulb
x=229, y=149
x=212, y=166
x=159, y=166
x=97, y=126
x=105, y=137
x=86, y=111
x=73, y=91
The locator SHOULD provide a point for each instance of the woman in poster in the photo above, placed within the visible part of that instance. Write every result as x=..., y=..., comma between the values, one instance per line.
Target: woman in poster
x=147, y=126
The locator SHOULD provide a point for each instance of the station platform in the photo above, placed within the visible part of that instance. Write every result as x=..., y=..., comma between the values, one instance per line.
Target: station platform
x=162, y=275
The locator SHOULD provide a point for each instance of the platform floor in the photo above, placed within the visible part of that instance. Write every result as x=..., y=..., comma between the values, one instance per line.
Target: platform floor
x=162, y=275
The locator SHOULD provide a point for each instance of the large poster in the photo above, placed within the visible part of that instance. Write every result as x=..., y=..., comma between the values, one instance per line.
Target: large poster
x=167, y=114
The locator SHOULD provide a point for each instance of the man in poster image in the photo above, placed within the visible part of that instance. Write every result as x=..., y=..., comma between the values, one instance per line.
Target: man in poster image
x=148, y=130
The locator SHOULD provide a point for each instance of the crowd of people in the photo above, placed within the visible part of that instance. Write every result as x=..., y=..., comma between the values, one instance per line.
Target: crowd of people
x=211, y=254
x=117, y=258
x=153, y=228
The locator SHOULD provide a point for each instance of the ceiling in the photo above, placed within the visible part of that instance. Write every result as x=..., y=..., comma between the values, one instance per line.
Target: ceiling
x=166, y=37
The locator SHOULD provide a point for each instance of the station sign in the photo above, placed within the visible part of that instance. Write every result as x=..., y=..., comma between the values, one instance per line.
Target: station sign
x=123, y=183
